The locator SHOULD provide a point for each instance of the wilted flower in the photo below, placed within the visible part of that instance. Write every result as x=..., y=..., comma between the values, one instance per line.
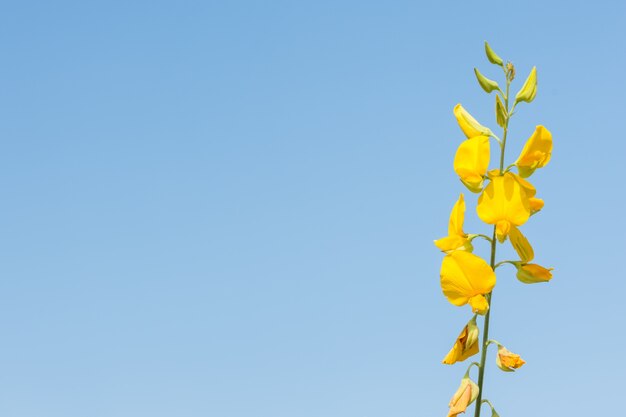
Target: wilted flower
x=463, y=397
x=507, y=360
x=466, y=344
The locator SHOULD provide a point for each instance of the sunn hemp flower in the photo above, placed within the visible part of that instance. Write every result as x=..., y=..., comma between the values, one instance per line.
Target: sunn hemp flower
x=506, y=201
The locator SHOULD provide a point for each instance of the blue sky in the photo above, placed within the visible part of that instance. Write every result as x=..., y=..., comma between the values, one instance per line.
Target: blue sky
x=227, y=208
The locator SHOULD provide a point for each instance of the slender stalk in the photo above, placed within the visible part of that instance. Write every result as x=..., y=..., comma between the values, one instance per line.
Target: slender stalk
x=485, y=344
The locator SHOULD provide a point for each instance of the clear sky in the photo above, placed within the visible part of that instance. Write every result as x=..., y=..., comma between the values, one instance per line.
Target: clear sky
x=227, y=209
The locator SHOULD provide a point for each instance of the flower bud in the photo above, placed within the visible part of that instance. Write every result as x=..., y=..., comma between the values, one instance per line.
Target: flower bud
x=529, y=89
x=532, y=273
x=466, y=344
x=492, y=56
x=507, y=360
x=501, y=113
x=468, y=124
x=486, y=84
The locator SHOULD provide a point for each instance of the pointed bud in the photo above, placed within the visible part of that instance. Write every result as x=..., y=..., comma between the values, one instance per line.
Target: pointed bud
x=485, y=83
x=501, y=113
x=529, y=89
x=468, y=124
x=492, y=56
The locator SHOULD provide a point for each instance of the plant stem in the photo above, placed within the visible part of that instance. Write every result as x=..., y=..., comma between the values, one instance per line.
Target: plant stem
x=483, y=355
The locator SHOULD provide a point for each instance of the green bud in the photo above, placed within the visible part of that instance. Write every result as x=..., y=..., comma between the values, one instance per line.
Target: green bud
x=486, y=84
x=529, y=89
x=493, y=413
x=492, y=56
x=500, y=112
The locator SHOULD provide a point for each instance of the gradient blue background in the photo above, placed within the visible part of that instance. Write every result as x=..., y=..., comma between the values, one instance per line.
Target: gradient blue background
x=227, y=208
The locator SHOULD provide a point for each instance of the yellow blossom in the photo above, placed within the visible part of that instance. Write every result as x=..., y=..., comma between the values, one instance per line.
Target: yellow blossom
x=532, y=273
x=463, y=397
x=536, y=153
x=471, y=162
x=466, y=278
x=456, y=239
x=468, y=124
x=504, y=203
x=466, y=344
x=507, y=360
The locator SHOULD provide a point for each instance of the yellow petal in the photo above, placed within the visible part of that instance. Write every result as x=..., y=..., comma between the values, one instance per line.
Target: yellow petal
x=536, y=152
x=536, y=204
x=521, y=245
x=465, y=275
x=452, y=243
x=479, y=304
x=468, y=124
x=463, y=397
x=471, y=162
x=457, y=217
x=504, y=202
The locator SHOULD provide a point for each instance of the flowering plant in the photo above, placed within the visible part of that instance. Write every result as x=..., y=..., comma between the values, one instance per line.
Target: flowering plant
x=506, y=201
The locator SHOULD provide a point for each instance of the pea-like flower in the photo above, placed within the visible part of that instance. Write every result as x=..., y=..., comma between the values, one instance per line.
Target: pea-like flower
x=456, y=239
x=504, y=203
x=507, y=360
x=463, y=397
x=465, y=346
x=468, y=124
x=471, y=162
x=532, y=273
x=536, y=152
x=466, y=279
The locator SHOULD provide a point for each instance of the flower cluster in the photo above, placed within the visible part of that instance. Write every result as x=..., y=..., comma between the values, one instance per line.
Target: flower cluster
x=506, y=201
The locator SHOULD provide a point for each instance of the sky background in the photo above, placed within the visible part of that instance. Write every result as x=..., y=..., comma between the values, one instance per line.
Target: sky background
x=227, y=209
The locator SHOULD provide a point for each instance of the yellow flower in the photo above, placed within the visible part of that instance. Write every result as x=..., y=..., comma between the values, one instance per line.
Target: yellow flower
x=504, y=203
x=507, y=360
x=466, y=278
x=536, y=153
x=463, y=397
x=521, y=245
x=471, y=162
x=532, y=273
x=456, y=239
x=468, y=124
x=466, y=344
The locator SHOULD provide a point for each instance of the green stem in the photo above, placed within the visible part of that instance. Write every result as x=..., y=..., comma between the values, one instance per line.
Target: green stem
x=485, y=341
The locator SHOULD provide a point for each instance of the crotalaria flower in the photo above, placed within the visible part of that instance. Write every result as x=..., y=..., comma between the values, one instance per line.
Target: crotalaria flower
x=536, y=153
x=507, y=360
x=468, y=124
x=465, y=279
x=532, y=273
x=466, y=344
x=471, y=162
x=463, y=397
x=456, y=239
x=504, y=203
